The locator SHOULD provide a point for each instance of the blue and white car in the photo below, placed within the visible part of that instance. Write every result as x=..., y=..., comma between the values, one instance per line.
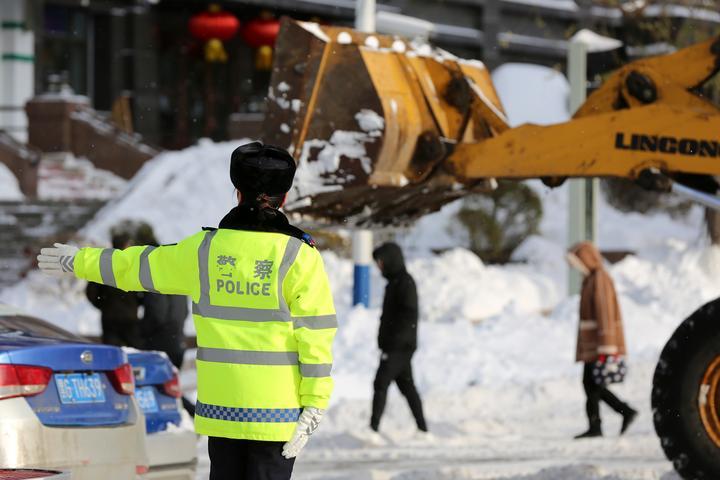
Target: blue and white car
x=171, y=440
x=66, y=403
x=96, y=410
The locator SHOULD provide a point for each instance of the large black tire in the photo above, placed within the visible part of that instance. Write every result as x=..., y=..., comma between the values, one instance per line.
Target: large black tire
x=684, y=362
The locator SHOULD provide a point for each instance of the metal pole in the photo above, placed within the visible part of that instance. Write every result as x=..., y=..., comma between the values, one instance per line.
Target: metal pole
x=582, y=204
x=365, y=16
x=362, y=240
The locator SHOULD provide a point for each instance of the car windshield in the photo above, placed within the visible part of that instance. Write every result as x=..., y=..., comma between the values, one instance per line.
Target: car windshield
x=34, y=327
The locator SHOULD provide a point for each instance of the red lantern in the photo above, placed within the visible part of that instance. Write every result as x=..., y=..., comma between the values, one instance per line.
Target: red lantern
x=214, y=24
x=214, y=27
x=261, y=32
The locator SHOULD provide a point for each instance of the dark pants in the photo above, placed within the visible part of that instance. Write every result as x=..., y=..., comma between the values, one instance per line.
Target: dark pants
x=595, y=393
x=247, y=460
x=396, y=366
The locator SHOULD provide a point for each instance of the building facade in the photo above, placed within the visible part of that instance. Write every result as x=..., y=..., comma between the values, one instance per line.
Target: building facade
x=138, y=60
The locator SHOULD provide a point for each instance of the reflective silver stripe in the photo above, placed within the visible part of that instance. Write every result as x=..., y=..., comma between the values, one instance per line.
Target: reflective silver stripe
x=291, y=252
x=315, y=369
x=607, y=349
x=317, y=322
x=239, y=313
x=203, y=262
x=145, y=277
x=246, y=357
x=106, y=268
x=588, y=325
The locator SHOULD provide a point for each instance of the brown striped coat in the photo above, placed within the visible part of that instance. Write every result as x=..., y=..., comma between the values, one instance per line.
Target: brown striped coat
x=600, y=330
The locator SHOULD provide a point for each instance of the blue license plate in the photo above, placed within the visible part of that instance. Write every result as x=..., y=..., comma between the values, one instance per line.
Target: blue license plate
x=146, y=399
x=77, y=388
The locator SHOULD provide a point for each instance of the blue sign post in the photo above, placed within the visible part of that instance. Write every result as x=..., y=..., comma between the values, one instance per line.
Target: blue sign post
x=362, y=244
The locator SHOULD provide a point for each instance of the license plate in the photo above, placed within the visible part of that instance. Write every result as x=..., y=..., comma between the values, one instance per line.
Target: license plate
x=80, y=388
x=146, y=399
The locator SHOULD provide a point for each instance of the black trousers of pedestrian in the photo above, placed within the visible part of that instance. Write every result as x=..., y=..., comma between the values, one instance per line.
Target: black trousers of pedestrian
x=596, y=393
x=396, y=366
x=248, y=460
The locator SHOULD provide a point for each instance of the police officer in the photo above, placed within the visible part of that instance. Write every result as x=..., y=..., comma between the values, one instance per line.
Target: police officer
x=263, y=313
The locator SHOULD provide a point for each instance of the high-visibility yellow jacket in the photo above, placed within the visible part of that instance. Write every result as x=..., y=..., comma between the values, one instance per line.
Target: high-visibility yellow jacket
x=264, y=318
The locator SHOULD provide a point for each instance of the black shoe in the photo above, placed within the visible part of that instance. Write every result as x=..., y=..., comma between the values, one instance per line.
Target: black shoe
x=592, y=433
x=628, y=419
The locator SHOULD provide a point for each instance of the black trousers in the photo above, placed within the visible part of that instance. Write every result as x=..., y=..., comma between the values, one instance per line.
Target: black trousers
x=396, y=366
x=596, y=393
x=248, y=460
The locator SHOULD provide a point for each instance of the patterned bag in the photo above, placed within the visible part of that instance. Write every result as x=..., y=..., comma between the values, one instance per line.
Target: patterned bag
x=609, y=370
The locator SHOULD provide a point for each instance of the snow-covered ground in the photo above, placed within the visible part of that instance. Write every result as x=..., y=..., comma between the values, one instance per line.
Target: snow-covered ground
x=9, y=187
x=495, y=362
x=66, y=177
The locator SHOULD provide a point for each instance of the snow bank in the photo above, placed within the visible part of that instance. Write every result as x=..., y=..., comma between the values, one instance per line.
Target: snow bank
x=618, y=230
x=176, y=192
x=61, y=302
x=532, y=93
x=64, y=176
x=493, y=318
x=9, y=187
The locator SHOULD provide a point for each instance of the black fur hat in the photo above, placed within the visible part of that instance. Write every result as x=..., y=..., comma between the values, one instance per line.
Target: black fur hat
x=262, y=169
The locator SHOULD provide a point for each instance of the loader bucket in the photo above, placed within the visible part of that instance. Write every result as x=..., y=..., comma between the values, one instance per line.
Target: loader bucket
x=371, y=119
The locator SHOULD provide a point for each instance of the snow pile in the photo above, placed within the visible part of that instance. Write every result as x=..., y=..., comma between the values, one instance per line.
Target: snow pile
x=493, y=317
x=176, y=192
x=532, y=93
x=64, y=176
x=622, y=231
x=9, y=187
x=61, y=302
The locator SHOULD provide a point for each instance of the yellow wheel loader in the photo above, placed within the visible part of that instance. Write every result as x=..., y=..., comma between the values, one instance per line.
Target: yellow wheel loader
x=385, y=130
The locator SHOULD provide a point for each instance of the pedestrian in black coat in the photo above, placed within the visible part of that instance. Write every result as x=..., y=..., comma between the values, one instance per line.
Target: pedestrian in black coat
x=397, y=337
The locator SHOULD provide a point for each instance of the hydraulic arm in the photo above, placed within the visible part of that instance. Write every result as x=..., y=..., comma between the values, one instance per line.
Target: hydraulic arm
x=647, y=115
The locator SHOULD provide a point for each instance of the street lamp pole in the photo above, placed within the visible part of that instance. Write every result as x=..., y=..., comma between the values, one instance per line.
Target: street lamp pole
x=582, y=205
x=362, y=240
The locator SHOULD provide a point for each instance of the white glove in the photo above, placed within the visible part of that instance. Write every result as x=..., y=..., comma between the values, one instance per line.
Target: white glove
x=58, y=261
x=306, y=425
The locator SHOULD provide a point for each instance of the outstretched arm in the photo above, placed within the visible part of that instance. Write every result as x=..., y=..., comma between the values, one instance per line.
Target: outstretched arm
x=169, y=269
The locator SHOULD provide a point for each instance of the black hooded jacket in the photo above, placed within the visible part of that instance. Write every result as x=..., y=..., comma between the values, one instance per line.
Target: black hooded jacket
x=162, y=325
x=398, y=323
x=118, y=314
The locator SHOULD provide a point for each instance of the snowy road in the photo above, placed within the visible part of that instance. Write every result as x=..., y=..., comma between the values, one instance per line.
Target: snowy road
x=519, y=432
